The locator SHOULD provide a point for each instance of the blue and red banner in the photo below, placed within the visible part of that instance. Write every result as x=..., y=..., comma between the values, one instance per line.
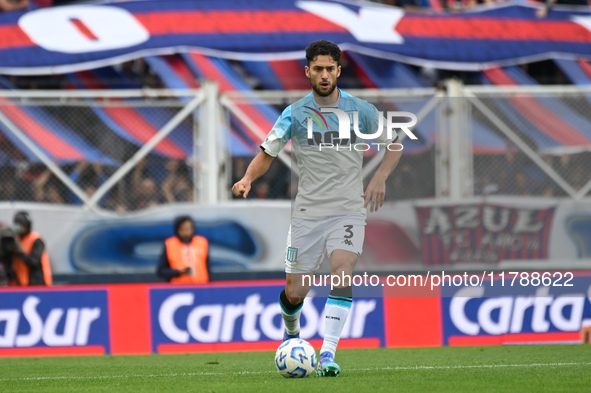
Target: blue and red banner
x=78, y=37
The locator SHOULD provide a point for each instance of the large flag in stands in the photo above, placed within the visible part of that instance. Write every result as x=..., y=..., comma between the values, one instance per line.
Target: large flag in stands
x=77, y=37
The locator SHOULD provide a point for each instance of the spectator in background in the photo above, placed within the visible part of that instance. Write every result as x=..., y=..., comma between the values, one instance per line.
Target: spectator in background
x=129, y=69
x=30, y=262
x=152, y=81
x=184, y=259
x=416, y=6
x=549, y=191
x=548, y=4
x=521, y=186
x=7, y=190
x=89, y=178
x=404, y=183
x=146, y=194
x=488, y=186
x=53, y=194
x=115, y=201
x=509, y=167
x=143, y=188
x=580, y=176
x=177, y=185
x=13, y=5
x=565, y=167
x=542, y=184
x=261, y=190
x=140, y=73
x=45, y=189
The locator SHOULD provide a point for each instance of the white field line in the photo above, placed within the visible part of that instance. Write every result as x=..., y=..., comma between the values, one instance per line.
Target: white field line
x=199, y=374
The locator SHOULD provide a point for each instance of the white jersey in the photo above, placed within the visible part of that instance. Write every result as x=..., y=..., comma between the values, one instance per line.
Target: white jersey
x=330, y=182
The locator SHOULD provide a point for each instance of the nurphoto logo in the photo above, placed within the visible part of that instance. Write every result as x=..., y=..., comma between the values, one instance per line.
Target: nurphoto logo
x=332, y=141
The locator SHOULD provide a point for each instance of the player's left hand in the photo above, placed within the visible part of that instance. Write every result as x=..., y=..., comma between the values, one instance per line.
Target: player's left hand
x=375, y=192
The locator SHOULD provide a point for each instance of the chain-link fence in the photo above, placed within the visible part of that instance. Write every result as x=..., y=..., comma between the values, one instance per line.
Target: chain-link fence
x=119, y=151
x=128, y=150
x=542, y=141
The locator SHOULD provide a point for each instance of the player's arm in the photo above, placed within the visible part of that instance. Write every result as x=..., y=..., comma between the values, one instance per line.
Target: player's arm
x=257, y=168
x=376, y=190
x=270, y=148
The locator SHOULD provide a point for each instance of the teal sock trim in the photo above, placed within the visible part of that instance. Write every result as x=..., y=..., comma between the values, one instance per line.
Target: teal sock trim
x=340, y=301
x=349, y=299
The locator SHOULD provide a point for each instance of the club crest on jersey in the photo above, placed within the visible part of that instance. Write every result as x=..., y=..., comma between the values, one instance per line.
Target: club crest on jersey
x=292, y=254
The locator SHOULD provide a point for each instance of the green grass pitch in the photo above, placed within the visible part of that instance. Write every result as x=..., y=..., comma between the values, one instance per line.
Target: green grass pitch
x=548, y=368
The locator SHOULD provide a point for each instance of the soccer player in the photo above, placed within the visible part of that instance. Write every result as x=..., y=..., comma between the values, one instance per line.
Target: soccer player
x=330, y=206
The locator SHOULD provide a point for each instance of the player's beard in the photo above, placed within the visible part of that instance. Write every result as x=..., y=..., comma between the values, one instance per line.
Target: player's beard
x=321, y=93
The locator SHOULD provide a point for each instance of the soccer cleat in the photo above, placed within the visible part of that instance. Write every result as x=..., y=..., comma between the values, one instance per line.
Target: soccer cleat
x=289, y=336
x=327, y=366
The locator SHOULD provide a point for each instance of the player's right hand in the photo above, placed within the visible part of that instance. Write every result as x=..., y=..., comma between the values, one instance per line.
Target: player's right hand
x=241, y=188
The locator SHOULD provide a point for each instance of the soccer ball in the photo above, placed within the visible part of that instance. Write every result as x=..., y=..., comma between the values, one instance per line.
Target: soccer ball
x=296, y=358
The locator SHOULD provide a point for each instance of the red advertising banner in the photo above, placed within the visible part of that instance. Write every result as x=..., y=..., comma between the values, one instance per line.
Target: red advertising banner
x=525, y=307
x=483, y=233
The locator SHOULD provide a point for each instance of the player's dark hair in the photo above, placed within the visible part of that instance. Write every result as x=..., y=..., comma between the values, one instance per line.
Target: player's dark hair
x=323, y=47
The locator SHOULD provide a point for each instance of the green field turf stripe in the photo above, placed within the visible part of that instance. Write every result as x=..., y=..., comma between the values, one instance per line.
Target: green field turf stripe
x=199, y=374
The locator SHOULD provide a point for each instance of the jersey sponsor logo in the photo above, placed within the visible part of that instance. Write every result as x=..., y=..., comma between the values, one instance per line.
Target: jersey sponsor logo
x=330, y=138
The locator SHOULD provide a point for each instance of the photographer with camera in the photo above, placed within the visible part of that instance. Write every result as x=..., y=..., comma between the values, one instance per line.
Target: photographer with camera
x=24, y=258
x=7, y=245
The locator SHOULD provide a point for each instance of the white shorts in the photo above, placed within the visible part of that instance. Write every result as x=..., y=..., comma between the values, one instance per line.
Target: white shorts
x=309, y=240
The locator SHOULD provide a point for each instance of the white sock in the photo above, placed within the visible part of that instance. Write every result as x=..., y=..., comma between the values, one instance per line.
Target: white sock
x=291, y=317
x=337, y=310
x=292, y=322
